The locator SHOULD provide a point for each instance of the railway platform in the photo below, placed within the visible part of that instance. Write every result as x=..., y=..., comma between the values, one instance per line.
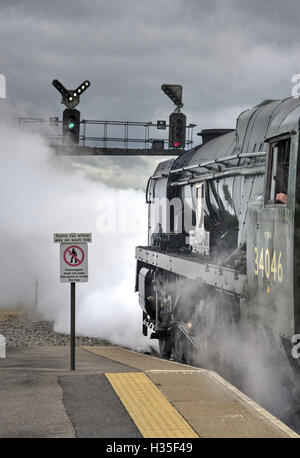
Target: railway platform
x=119, y=393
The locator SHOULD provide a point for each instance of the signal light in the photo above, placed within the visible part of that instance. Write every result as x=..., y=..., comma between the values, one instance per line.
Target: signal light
x=82, y=87
x=177, y=127
x=71, y=127
x=70, y=97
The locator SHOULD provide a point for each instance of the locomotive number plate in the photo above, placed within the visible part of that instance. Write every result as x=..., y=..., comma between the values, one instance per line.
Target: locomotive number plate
x=268, y=264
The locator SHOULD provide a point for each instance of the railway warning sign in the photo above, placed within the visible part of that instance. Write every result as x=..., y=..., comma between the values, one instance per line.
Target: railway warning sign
x=73, y=262
x=73, y=268
x=74, y=237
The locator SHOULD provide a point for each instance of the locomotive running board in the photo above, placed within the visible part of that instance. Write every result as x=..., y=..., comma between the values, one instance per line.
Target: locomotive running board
x=219, y=277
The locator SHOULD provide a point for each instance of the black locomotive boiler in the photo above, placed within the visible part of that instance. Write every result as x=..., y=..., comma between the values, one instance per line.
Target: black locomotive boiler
x=223, y=239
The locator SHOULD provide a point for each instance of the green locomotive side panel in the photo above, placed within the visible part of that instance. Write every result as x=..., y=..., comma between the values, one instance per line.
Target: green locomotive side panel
x=271, y=250
x=270, y=268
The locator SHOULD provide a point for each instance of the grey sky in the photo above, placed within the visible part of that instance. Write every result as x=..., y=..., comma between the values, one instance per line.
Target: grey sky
x=228, y=55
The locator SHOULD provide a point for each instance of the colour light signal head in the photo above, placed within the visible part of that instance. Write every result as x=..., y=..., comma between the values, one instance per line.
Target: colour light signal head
x=71, y=127
x=177, y=128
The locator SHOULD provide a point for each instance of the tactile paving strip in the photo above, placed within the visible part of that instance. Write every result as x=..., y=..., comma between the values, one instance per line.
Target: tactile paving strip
x=152, y=413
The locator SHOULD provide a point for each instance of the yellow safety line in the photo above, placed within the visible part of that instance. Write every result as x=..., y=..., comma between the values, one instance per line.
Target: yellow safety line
x=151, y=412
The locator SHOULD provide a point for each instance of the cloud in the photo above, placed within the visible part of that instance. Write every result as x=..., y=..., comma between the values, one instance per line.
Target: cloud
x=229, y=56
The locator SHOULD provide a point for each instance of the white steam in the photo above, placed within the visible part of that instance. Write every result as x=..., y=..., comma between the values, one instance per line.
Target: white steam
x=39, y=197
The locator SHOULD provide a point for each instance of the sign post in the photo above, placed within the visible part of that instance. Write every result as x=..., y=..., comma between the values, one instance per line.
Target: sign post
x=72, y=334
x=73, y=268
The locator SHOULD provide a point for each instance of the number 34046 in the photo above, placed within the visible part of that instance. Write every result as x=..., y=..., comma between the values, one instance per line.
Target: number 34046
x=268, y=264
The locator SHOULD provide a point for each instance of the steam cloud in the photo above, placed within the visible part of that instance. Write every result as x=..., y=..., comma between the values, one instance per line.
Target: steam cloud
x=39, y=196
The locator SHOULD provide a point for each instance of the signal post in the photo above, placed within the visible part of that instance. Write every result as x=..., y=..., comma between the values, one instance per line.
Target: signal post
x=73, y=268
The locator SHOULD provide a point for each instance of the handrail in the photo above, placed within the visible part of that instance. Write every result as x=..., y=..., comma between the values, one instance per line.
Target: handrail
x=234, y=171
x=220, y=160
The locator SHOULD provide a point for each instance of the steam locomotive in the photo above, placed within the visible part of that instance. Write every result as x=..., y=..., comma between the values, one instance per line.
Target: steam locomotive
x=223, y=239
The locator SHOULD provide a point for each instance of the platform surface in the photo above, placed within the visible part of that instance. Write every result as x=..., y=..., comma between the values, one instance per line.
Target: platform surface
x=118, y=393
x=210, y=404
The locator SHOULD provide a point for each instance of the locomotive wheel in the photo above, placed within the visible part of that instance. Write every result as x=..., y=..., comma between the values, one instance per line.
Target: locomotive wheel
x=165, y=346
